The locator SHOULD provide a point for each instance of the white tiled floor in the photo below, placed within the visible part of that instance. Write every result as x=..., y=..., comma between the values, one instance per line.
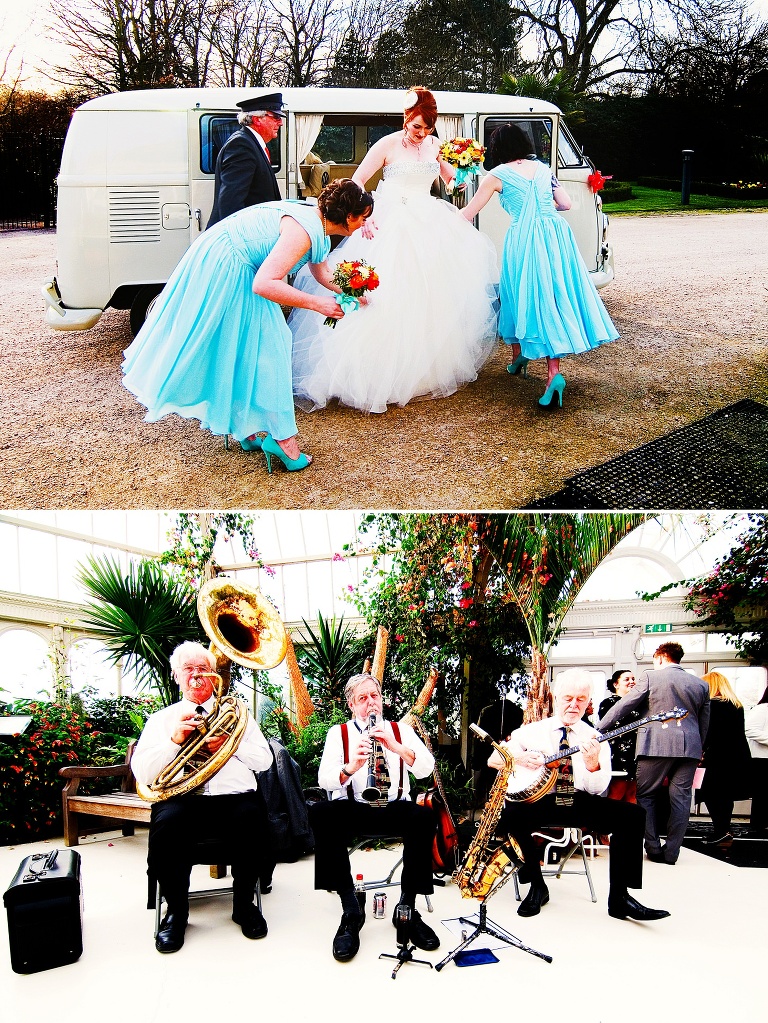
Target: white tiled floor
x=705, y=963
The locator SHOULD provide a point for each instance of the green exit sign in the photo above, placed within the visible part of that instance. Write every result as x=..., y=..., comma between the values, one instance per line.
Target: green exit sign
x=658, y=628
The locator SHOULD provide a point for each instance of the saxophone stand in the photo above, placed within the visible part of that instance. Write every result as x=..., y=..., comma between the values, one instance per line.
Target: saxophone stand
x=486, y=926
x=405, y=954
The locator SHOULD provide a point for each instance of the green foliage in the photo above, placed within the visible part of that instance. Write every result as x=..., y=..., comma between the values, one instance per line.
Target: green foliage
x=558, y=89
x=466, y=47
x=116, y=720
x=328, y=659
x=733, y=598
x=546, y=559
x=306, y=747
x=429, y=586
x=30, y=796
x=194, y=536
x=142, y=614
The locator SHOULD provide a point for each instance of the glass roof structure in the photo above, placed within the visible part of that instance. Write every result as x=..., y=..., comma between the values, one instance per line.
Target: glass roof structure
x=308, y=568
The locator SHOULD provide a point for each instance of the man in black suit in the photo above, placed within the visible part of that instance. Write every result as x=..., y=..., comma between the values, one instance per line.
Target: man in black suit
x=244, y=174
x=669, y=752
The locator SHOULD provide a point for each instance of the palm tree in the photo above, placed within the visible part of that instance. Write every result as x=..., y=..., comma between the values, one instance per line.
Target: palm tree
x=558, y=89
x=142, y=615
x=330, y=657
x=545, y=560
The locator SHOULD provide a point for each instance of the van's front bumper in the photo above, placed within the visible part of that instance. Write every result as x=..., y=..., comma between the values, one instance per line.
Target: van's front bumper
x=59, y=317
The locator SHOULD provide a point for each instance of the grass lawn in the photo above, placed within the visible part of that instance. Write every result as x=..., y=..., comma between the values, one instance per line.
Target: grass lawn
x=654, y=200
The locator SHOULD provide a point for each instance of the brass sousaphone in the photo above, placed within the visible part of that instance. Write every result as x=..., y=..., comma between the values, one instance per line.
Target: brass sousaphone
x=243, y=627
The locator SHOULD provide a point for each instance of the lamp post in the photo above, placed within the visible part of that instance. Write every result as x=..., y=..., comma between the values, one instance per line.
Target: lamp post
x=685, y=192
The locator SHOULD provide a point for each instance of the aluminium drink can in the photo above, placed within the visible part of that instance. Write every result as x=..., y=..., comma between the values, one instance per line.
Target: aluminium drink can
x=379, y=905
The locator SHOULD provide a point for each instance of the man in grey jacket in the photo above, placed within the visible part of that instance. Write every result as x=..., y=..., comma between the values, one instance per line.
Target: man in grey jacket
x=665, y=751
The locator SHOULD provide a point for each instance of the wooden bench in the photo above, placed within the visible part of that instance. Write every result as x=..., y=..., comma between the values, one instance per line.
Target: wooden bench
x=123, y=806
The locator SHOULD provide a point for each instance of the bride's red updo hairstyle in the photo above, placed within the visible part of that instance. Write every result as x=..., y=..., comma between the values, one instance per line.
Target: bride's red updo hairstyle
x=423, y=103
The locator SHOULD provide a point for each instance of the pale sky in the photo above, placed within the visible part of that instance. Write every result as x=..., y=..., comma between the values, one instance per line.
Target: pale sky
x=23, y=26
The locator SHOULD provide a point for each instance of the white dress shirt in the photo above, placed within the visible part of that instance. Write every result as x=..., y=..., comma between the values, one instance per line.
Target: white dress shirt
x=156, y=749
x=545, y=736
x=756, y=728
x=333, y=758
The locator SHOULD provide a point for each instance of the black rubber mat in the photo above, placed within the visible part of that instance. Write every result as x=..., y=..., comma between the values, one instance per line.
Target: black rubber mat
x=719, y=462
x=747, y=849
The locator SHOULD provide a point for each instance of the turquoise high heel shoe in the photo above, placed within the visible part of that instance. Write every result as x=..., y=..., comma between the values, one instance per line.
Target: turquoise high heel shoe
x=251, y=445
x=556, y=387
x=270, y=447
x=519, y=365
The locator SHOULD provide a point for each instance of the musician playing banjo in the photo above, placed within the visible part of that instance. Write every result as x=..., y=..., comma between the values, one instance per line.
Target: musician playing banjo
x=364, y=768
x=575, y=801
x=225, y=806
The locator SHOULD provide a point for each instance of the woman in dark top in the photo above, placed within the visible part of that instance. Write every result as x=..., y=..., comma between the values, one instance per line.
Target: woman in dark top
x=726, y=758
x=623, y=786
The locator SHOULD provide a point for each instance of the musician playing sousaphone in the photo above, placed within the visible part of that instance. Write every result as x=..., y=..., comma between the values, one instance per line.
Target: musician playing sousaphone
x=575, y=799
x=224, y=806
x=364, y=768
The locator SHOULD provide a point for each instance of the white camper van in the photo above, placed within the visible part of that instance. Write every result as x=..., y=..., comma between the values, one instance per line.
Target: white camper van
x=137, y=174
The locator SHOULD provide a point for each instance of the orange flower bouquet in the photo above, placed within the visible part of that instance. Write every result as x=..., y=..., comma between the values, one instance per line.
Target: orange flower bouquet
x=354, y=278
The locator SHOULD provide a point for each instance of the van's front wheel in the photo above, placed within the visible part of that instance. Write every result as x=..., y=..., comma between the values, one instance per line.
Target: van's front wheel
x=142, y=304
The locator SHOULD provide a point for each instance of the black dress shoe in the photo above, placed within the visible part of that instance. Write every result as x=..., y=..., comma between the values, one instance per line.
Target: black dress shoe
x=170, y=937
x=420, y=934
x=252, y=923
x=625, y=906
x=534, y=900
x=657, y=857
x=346, y=943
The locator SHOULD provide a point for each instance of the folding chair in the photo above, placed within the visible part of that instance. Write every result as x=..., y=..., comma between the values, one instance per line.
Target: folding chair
x=573, y=841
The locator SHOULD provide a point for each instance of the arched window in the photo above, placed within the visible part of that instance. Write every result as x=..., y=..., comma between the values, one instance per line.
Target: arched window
x=89, y=666
x=27, y=669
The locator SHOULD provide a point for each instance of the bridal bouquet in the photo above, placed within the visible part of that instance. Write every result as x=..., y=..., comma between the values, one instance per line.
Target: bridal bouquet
x=463, y=154
x=354, y=278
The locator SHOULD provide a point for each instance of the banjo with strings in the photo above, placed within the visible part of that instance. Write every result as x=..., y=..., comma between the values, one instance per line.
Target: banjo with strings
x=526, y=785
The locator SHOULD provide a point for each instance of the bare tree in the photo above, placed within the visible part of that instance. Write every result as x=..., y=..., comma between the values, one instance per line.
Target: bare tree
x=133, y=44
x=244, y=39
x=595, y=43
x=720, y=60
x=307, y=31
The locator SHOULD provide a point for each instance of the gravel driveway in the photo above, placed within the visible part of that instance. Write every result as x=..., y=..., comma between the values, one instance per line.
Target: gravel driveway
x=690, y=300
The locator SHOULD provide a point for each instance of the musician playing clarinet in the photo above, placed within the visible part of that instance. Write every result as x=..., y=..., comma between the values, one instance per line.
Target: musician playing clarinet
x=576, y=801
x=364, y=768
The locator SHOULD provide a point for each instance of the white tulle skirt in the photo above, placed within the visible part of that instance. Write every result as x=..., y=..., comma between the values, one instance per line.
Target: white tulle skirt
x=428, y=328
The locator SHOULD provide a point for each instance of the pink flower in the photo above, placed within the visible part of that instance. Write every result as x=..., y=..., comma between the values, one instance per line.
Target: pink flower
x=472, y=624
x=399, y=638
x=337, y=557
x=465, y=586
x=466, y=602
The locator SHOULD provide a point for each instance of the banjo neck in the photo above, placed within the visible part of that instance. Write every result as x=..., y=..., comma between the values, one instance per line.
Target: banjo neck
x=677, y=714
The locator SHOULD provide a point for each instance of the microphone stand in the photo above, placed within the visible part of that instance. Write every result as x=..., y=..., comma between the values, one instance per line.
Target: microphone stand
x=406, y=950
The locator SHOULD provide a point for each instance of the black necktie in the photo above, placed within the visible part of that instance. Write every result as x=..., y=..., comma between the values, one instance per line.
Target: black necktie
x=564, y=785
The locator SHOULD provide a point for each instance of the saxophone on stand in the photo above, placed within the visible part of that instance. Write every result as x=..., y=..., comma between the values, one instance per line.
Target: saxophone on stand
x=485, y=869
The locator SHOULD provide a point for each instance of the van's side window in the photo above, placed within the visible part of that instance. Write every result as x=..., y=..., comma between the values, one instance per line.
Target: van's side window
x=215, y=129
x=378, y=131
x=568, y=153
x=335, y=143
x=538, y=130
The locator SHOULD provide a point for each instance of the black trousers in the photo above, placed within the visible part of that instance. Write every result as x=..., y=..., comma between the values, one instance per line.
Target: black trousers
x=177, y=826
x=624, y=822
x=338, y=823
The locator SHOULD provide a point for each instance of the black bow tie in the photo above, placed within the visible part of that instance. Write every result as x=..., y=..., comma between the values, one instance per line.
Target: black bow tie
x=200, y=710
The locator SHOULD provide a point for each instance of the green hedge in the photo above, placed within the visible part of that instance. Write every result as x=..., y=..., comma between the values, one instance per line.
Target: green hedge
x=617, y=191
x=720, y=189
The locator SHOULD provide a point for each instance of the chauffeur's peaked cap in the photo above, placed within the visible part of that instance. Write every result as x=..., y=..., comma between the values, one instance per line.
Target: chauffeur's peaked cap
x=272, y=102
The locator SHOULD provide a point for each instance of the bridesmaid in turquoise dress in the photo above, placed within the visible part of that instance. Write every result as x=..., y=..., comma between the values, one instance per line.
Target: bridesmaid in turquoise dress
x=216, y=346
x=549, y=305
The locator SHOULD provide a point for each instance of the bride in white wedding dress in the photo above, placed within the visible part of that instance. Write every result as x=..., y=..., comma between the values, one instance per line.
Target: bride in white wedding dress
x=431, y=324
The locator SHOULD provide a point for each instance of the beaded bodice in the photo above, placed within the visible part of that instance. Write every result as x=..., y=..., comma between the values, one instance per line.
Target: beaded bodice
x=410, y=177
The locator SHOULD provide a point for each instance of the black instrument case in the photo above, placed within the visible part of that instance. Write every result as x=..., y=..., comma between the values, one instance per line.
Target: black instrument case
x=44, y=903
